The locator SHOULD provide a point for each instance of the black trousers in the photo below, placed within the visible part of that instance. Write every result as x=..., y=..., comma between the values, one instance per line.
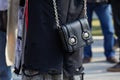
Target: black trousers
x=116, y=16
x=3, y=20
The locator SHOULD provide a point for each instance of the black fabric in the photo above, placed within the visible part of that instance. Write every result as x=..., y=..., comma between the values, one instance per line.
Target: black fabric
x=3, y=20
x=22, y=3
x=43, y=49
x=116, y=16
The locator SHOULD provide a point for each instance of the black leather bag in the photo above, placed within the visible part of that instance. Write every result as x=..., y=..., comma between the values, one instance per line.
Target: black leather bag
x=75, y=35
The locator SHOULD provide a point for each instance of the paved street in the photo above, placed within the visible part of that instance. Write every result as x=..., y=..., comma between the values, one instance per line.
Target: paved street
x=96, y=70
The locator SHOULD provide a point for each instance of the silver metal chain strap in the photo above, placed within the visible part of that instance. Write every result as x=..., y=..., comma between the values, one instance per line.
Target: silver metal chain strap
x=85, y=8
x=56, y=14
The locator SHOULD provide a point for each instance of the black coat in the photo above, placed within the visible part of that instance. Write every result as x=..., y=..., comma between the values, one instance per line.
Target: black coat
x=43, y=49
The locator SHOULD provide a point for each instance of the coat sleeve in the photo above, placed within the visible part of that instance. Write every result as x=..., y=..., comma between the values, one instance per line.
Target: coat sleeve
x=11, y=31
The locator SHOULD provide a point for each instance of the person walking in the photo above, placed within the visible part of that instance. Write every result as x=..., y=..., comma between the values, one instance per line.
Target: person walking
x=5, y=71
x=102, y=9
x=116, y=17
x=44, y=57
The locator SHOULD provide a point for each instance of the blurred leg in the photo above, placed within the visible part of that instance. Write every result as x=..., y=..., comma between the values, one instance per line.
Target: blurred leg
x=87, y=49
x=104, y=13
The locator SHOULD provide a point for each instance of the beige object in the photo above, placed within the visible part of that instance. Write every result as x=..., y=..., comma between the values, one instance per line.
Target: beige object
x=11, y=31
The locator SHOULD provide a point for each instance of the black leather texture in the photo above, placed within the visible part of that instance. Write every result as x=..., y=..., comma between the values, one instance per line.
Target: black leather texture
x=76, y=35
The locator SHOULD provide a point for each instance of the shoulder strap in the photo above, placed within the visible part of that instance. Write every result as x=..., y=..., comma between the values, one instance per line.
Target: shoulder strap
x=56, y=14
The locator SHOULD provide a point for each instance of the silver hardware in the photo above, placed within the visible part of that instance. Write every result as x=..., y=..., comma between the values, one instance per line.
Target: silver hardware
x=72, y=40
x=86, y=35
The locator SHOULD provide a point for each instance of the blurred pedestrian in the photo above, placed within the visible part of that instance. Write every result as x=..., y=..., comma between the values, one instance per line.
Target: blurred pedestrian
x=44, y=57
x=116, y=17
x=5, y=71
x=102, y=9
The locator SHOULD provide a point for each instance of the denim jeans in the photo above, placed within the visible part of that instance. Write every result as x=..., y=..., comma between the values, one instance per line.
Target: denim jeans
x=103, y=12
x=5, y=71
